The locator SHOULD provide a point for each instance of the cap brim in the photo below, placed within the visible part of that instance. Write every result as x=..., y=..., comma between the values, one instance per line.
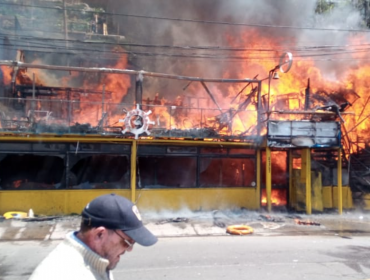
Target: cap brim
x=142, y=236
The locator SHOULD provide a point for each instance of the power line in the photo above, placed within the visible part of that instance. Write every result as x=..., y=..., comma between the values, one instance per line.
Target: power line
x=315, y=51
x=118, y=55
x=195, y=20
x=51, y=42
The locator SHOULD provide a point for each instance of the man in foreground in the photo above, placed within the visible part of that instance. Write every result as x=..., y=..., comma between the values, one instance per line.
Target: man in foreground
x=110, y=226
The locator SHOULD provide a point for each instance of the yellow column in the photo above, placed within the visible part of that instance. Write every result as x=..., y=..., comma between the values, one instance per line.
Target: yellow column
x=268, y=178
x=258, y=178
x=339, y=182
x=133, y=170
x=306, y=168
x=290, y=155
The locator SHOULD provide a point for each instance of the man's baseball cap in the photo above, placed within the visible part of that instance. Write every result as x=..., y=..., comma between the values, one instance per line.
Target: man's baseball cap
x=116, y=212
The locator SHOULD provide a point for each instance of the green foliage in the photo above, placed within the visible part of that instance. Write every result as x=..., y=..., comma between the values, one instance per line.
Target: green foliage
x=48, y=15
x=363, y=6
x=324, y=6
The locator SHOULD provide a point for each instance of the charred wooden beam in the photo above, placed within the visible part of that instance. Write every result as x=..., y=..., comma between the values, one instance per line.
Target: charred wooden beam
x=307, y=96
x=211, y=95
x=236, y=96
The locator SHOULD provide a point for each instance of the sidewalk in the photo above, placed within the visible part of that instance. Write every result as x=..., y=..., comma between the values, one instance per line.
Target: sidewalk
x=212, y=223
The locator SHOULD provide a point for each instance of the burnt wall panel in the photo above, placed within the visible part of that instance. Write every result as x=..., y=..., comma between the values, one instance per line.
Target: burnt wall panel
x=227, y=172
x=166, y=172
x=26, y=171
x=99, y=171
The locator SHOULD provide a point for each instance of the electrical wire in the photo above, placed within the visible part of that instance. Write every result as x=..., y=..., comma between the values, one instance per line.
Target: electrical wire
x=136, y=49
x=24, y=42
x=192, y=20
x=307, y=57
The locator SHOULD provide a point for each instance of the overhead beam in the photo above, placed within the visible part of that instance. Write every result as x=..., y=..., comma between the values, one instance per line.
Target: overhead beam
x=19, y=64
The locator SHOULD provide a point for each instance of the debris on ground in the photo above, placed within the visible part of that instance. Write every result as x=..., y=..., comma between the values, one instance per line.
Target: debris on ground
x=293, y=217
x=307, y=223
x=271, y=219
x=172, y=220
x=219, y=224
x=40, y=219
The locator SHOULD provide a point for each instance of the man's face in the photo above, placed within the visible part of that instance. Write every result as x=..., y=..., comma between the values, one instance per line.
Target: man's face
x=114, y=244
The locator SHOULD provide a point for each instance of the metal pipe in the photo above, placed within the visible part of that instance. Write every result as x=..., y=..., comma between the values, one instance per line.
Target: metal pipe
x=120, y=71
x=258, y=178
x=259, y=114
x=339, y=182
x=290, y=168
x=306, y=168
x=268, y=178
x=133, y=170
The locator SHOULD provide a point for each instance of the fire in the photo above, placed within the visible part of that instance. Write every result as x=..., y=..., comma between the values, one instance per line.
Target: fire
x=287, y=93
x=297, y=163
x=278, y=167
x=233, y=108
x=278, y=197
x=17, y=184
x=89, y=106
x=7, y=73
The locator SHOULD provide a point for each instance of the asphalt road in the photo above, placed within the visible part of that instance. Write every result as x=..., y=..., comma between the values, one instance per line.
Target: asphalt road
x=219, y=257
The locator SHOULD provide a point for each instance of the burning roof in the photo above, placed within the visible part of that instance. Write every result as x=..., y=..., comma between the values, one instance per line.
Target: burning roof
x=331, y=58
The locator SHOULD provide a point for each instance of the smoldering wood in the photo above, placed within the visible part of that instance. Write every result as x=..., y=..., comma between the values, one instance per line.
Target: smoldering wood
x=211, y=95
x=236, y=96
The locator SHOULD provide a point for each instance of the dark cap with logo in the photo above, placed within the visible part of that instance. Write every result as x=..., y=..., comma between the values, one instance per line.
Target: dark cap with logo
x=116, y=212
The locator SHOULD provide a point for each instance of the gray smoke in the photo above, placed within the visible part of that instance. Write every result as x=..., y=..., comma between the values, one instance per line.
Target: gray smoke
x=282, y=13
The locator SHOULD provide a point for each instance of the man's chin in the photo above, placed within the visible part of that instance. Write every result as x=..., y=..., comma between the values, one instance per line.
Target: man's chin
x=112, y=265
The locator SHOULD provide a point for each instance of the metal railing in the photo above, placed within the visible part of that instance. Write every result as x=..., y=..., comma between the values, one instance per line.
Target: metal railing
x=78, y=116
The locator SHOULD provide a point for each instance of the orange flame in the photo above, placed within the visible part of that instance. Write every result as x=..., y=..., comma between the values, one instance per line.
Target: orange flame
x=278, y=197
x=17, y=184
x=7, y=73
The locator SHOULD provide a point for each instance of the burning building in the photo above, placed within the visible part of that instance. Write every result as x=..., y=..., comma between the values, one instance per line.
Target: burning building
x=71, y=131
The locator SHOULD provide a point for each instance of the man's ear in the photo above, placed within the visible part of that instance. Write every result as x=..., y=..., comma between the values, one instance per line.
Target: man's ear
x=100, y=232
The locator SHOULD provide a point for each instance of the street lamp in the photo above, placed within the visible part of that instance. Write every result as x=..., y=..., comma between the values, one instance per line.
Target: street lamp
x=272, y=75
x=285, y=63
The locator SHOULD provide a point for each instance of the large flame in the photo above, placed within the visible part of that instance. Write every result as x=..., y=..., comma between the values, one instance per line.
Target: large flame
x=232, y=109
